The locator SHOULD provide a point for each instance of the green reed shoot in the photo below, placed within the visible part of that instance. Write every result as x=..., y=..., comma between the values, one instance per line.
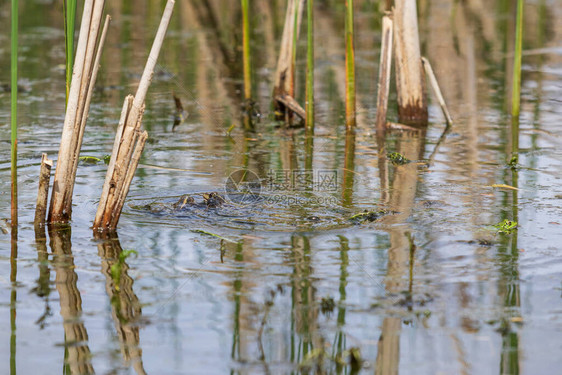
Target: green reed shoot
x=69, y=12
x=246, y=50
x=516, y=90
x=310, y=67
x=14, y=113
x=349, y=66
x=294, y=51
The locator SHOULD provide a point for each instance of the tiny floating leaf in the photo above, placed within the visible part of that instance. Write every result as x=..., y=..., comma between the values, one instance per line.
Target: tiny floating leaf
x=89, y=159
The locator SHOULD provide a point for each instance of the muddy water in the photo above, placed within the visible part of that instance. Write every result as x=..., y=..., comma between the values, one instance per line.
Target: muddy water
x=291, y=285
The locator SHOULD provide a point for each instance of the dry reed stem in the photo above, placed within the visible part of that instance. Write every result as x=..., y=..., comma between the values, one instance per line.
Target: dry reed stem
x=437, y=90
x=139, y=147
x=410, y=82
x=284, y=74
x=151, y=62
x=122, y=167
x=289, y=102
x=127, y=104
x=42, y=195
x=384, y=72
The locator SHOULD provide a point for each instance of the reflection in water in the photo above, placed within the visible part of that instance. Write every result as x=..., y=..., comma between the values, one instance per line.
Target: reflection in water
x=348, y=168
x=304, y=311
x=400, y=253
x=42, y=289
x=13, y=298
x=77, y=354
x=125, y=306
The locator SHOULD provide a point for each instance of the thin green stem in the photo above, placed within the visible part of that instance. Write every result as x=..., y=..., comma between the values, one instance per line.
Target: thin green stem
x=14, y=109
x=349, y=66
x=310, y=68
x=294, y=48
x=69, y=12
x=246, y=50
x=516, y=91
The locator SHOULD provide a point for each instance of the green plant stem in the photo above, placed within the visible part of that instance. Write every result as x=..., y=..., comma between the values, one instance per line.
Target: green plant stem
x=310, y=68
x=14, y=109
x=246, y=50
x=349, y=66
x=294, y=48
x=516, y=91
x=69, y=11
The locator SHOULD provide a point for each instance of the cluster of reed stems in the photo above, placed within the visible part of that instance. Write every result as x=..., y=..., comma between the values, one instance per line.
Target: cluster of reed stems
x=129, y=139
x=86, y=64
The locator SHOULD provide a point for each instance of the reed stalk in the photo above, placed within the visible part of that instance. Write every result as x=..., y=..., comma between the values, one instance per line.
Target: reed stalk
x=349, y=66
x=410, y=82
x=246, y=50
x=385, y=67
x=437, y=91
x=310, y=67
x=44, y=177
x=285, y=73
x=516, y=91
x=14, y=119
x=69, y=12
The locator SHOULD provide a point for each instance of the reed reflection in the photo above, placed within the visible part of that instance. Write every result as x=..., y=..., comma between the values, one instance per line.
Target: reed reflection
x=42, y=288
x=77, y=355
x=400, y=272
x=125, y=306
x=13, y=297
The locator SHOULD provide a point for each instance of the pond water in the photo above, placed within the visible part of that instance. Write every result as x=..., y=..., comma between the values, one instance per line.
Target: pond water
x=288, y=284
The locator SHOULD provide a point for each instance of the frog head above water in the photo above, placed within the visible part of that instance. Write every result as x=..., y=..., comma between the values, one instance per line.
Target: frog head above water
x=210, y=200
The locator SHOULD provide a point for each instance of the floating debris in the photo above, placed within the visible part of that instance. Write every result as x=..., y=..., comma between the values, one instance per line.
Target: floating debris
x=327, y=305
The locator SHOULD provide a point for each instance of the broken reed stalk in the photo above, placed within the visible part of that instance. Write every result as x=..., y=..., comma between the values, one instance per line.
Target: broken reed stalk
x=44, y=178
x=246, y=50
x=349, y=66
x=309, y=67
x=88, y=100
x=69, y=12
x=284, y=83
x=83, y=79
x=384, y=73
x=516, y=90
x=14, y=118
x=437, y=90
x=410, y=83
x=129, y=140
